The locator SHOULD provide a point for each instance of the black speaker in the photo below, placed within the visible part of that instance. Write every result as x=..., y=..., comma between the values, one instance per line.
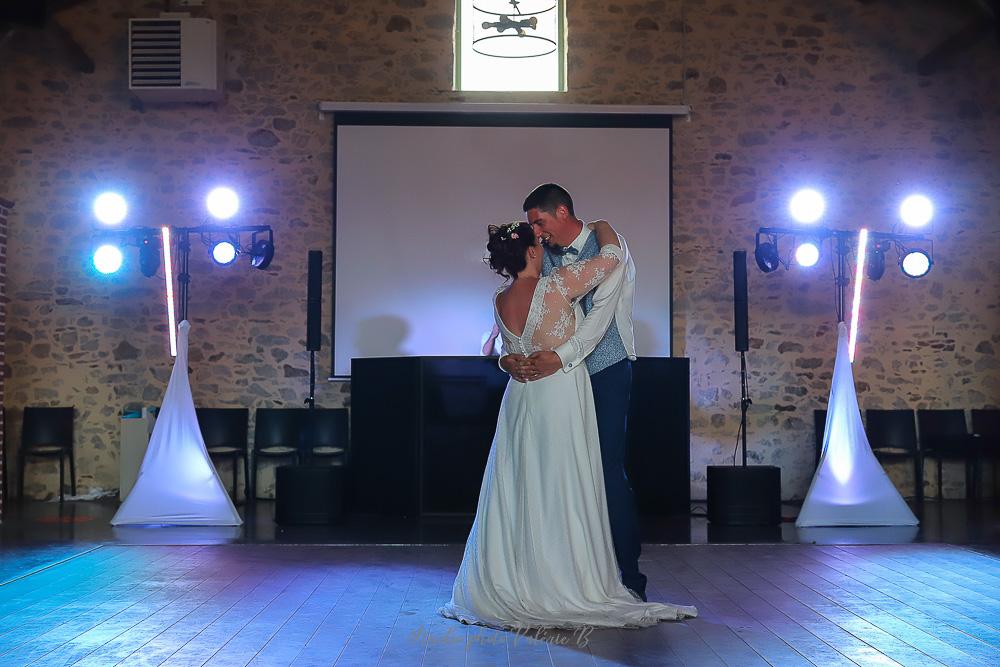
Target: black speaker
x=314, y=300
x=740, y=312
x=658, y=449
x=308, y=494
x=744, y=495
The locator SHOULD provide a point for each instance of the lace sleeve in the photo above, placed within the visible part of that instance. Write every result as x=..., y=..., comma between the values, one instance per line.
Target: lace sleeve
x=575, y=280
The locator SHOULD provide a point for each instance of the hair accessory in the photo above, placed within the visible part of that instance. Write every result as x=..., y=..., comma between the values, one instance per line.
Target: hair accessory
x=508, y=232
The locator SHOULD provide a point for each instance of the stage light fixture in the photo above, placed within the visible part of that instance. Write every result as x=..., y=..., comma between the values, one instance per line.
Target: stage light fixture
x=110, y=208
x=807, y=254
x=262, y=252
x=916, y=210
x=108, y=259
x=149, y=256
x=807, y=206
x=916, y=263
x=766, y=255
x=224, y=253
x=222, y=203
x=876, y=260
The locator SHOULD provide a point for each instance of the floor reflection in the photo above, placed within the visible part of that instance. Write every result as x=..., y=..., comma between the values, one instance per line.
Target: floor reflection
x=192, y=535
x=34, y=535
x=859, y=535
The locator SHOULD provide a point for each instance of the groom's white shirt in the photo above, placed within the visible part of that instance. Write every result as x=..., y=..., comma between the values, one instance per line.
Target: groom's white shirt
x=612, y=300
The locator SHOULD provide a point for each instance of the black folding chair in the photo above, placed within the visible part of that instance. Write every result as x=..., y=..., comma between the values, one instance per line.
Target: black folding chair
x=225, y=433
x=277, y=433
x=943, y=436
x=986, y=429
x=819, y=430
x=47, y=433
x=326, y=434
x=893, y=437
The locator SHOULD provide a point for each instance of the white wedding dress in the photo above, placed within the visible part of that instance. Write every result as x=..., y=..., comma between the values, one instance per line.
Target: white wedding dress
x=540, y=553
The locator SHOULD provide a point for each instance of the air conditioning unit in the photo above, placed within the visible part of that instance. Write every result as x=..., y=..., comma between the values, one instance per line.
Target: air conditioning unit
x=174, y=59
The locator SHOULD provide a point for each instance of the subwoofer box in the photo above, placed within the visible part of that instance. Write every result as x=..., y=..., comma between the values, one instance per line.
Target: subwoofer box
x=309, y=494
x=744, y=496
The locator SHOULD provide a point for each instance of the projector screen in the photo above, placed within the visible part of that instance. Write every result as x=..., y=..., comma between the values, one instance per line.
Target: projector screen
x=414, y=194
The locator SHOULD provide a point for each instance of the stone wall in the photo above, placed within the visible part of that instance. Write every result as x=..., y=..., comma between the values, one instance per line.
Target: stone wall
x=6, y=208
x=781, y=94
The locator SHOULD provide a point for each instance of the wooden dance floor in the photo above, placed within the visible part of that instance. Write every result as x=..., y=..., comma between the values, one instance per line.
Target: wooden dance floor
x=780, y=604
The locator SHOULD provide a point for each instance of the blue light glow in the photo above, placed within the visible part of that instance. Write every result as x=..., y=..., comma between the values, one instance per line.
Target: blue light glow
x=222, y=203
x=807, y=206
x=916, y=210
x=108, y=259
x=807, y=254
x=110, y=208
x=224, y=253
x=916, y=264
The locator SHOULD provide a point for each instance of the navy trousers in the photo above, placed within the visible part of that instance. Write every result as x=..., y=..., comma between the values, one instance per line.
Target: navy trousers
x=612, y=388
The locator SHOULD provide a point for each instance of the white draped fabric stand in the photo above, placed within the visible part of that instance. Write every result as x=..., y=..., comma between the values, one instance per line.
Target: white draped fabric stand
x=177, y=482
x=850, y=488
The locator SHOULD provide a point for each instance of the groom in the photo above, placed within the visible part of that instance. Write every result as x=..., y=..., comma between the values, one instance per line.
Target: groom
x=605, y=342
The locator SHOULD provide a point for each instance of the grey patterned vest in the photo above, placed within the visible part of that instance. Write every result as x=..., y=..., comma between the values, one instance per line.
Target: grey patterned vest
x=610, y=350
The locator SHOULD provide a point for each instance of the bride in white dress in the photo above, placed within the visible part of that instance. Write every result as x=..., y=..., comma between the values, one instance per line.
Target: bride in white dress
x=540, y=553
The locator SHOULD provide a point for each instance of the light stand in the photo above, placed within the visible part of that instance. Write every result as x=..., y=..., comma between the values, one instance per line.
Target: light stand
x=184, y=252
x=745, y=402
x=314, y=298
x=139, y=236
x=828, y=495
x=840, y=277
x=184, y=276
x=311, y=399
x=842, y=247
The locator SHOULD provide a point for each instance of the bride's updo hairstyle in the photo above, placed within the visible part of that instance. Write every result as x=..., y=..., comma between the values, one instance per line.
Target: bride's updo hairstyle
x=507, y=247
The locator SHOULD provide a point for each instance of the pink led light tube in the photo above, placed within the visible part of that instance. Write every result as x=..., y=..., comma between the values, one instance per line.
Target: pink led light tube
x=168, y=274
x=859, y=275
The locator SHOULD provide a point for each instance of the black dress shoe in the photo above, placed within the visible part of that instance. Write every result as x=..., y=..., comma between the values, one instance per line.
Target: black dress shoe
x=641, y=596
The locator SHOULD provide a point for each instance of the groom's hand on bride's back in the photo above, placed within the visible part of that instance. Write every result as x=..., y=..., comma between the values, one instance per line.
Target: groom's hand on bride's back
x=544, y=364
x=528, y=369
x=514, y=364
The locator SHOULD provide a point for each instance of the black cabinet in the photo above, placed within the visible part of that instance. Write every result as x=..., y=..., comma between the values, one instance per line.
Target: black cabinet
x=659, y=436
x=421, y=430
